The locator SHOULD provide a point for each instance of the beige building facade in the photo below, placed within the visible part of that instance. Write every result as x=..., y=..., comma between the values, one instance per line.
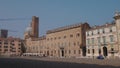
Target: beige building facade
x=66, y=41
x=36, y=46
x=104, y=39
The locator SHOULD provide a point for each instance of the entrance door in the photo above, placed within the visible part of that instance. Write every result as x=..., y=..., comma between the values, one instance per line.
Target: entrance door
x=47, y=53
x=62, y=52
x=105, y=53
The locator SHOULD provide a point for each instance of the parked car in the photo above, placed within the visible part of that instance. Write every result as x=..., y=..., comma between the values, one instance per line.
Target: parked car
x=100, y=57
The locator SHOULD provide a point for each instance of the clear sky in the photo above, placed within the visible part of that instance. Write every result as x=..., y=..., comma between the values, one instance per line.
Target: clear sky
x=55, y=13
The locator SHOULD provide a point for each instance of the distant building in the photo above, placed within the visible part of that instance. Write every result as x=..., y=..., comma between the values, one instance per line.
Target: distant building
x=32, y=31
x=10, y=46
x=3, y=33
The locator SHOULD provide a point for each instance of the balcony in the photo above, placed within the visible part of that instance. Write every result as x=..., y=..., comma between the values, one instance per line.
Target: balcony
x=113, y=51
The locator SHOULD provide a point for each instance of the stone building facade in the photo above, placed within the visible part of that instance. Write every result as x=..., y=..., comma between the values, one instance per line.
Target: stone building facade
x=104, y=39
x=75, y=40
x=36, y=45
x=66, y=41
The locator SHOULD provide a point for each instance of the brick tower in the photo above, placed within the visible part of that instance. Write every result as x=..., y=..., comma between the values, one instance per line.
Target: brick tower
x=35, y=27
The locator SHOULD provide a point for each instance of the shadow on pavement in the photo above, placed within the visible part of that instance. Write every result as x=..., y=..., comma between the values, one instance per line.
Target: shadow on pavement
x=26, y=63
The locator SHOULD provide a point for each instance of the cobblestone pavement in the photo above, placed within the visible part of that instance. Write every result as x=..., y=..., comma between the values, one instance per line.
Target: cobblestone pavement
x=33, y=62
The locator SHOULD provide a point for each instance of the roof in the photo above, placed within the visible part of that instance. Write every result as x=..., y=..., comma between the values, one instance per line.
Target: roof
x=102, y=26
x=10, y=38
x=64, y=28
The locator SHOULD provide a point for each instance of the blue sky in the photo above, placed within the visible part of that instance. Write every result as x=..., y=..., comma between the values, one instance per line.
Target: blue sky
x=55, y=13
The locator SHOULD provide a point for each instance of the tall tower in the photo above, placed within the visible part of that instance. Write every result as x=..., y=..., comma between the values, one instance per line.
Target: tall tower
x=35, y=27
x=117, y=21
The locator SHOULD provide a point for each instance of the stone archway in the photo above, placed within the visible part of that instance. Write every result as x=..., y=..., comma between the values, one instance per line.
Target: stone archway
x=105, y=52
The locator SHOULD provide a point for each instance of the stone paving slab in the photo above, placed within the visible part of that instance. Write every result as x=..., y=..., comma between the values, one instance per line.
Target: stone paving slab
x=33, y=62
x=110, y=62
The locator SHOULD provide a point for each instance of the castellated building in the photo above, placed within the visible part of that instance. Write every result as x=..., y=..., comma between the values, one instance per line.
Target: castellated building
x=75, y=40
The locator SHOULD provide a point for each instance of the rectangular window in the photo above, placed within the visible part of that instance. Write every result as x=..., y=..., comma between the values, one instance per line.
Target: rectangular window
x=5, y=46
x=104, y=39
x=103, y=31
x=6, y=50
x=64, y=36
x=78, y=35
x=110, y=29
x=98, y=32
x=74, y=43
x=98, y=40
x=92, y=40
x=69, y=51
x=87, y=34
x=111, y=38
x=88, y=40
x=88, y=51
x=55, y=51
x=55, y=38
x=93, y=51
x=92, y=33
x=71, y=35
